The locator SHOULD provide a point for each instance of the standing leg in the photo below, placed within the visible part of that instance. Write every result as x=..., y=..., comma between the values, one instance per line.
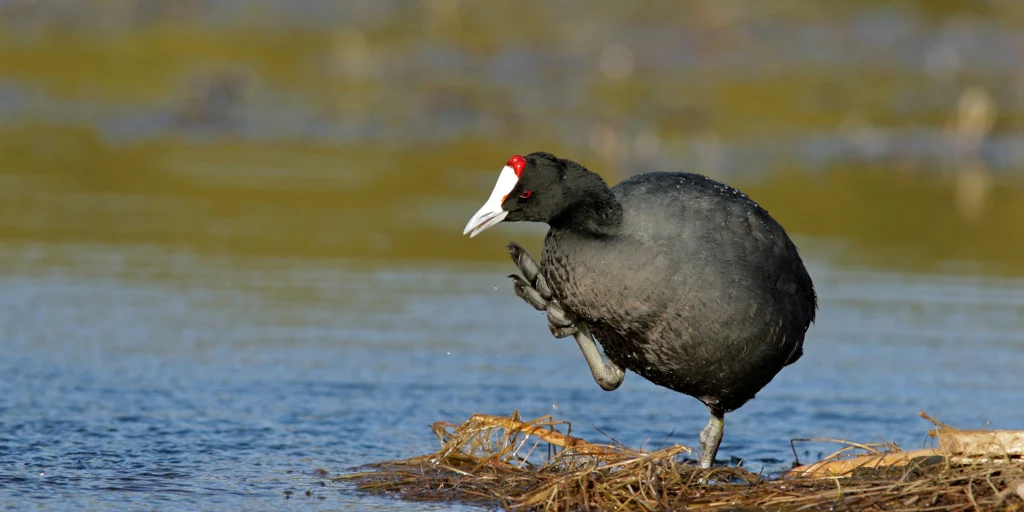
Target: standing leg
x=711, y=438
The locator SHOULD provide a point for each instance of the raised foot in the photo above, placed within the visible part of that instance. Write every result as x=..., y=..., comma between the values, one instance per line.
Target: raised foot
x=534, y=290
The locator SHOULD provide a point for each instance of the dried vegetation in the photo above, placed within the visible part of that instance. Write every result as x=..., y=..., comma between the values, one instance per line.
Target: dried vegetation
x=537, y=465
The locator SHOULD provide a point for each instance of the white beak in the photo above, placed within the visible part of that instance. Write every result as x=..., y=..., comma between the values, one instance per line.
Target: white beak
x=491, y=213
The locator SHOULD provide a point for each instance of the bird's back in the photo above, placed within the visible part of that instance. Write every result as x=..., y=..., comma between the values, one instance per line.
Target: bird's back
x=702, y=292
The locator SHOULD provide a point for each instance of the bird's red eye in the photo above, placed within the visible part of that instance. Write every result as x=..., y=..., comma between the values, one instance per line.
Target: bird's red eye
x=517, y=163
x=525, y=194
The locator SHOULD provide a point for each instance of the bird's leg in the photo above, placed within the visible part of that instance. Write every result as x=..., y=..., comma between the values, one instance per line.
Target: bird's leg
x=607, y=374
x=535, y=291
x=711, y=438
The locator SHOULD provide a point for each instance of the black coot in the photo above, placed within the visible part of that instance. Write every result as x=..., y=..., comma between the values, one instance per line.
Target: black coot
x=682, y=279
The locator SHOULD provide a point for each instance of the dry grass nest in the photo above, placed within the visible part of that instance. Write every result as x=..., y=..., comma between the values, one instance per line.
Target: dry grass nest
x=509, y=463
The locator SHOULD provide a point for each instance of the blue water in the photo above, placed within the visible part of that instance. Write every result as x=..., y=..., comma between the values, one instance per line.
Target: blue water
x=150, y=378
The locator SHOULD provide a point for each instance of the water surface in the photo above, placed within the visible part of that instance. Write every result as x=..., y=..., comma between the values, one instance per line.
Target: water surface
x=143, y=377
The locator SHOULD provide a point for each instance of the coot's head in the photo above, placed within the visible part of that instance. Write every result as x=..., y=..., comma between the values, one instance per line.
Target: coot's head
x=534, y=188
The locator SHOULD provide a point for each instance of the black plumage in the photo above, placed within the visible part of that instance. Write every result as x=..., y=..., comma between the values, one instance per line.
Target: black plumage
x=682, y=279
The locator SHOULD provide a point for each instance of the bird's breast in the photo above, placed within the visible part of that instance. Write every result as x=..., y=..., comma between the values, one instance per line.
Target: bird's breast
x=600, y=282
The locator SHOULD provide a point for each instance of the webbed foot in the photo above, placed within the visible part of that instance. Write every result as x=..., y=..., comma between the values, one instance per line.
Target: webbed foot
x=533, y=288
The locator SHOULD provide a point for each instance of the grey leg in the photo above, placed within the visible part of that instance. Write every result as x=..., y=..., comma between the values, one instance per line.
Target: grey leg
x=534, y=290
x=607, y=374
x=711, y=438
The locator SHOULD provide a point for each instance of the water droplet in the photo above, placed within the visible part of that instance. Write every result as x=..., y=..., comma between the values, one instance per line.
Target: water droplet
x=42, y=474
x=554, y=405
x=449, y=353
x=495, y=287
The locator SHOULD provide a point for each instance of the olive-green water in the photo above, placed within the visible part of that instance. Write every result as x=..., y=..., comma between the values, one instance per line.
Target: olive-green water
x=230, y=231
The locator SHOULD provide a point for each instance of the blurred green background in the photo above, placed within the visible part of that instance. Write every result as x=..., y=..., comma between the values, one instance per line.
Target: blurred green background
x=883, y=134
